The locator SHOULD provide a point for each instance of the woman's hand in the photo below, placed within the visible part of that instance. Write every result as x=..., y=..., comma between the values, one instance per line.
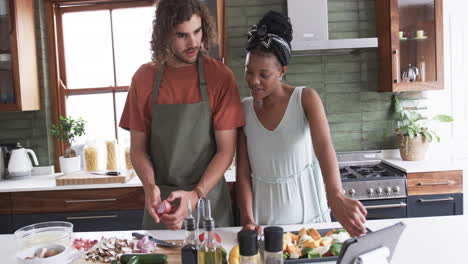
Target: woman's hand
x=350, y=213
x=152, y=201
x=175, y=220
x=253, y=226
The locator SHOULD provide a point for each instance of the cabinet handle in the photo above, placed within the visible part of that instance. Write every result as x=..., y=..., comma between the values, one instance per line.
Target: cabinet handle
x=12, y=25
x=432, y=183
x=91, y=200
x=384, y=206
x=90, y=217
x=435, y=200
x=396, y=66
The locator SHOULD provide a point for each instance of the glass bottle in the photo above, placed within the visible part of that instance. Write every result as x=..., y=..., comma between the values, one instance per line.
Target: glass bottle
x=190, y=246
x=248, y=247
x=210, y=251
x=273, y=245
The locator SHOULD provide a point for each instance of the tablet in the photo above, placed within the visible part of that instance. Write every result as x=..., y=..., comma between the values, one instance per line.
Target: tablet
x=356, y=246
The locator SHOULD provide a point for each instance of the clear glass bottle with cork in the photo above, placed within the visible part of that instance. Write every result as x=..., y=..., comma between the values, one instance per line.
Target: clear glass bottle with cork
x=273, y=245
x=210, y=251
x=189, y=249
x=248, y=247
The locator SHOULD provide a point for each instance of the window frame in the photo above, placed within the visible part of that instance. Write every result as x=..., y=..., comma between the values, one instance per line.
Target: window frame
x=54, y=9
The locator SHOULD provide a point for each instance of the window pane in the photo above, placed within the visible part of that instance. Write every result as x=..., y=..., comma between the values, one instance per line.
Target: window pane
x=124, y=135
x=97, y=111
x=88, y=49
x=132, y=35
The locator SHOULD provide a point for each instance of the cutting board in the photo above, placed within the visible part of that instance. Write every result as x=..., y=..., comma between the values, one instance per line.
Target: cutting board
x=173, y=254
x=84, y=177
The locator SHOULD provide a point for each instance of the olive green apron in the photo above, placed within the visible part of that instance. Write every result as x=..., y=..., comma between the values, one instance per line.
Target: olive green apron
x=182, y=146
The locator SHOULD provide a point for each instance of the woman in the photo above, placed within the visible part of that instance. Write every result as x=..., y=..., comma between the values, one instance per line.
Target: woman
x=285, y=146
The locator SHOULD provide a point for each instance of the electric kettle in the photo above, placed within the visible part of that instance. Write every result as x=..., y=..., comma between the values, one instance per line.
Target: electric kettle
x=20, y=163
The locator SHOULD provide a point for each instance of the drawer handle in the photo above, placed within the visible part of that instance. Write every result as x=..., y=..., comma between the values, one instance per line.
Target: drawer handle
x=433, y=183
x=435, y=200
x=91, y=200
x=384, y=206
x=91, y=217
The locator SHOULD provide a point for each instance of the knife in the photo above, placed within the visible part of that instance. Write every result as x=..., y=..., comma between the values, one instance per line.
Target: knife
x=108, y=173
x=158, y=242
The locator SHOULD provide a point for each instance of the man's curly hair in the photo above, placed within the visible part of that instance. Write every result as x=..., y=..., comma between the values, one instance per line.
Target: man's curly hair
x=169, y=14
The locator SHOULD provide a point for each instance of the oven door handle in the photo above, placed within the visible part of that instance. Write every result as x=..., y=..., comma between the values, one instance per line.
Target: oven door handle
x=385, y=206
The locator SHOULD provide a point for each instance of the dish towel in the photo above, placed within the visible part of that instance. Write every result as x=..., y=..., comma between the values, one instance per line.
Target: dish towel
x=376, y=256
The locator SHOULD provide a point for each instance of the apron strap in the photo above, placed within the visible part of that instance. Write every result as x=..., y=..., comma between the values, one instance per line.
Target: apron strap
x=201, y=81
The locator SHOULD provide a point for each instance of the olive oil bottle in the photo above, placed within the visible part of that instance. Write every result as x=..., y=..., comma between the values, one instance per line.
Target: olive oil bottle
x=210, y=251
x=189, y=250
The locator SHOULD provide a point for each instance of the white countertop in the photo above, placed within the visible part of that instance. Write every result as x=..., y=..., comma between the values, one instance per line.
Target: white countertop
x=431, y=163
x=47, y=183
x=429, y=240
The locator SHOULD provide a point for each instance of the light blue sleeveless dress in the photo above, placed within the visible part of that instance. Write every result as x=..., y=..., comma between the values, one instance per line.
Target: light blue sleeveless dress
x=286, y=179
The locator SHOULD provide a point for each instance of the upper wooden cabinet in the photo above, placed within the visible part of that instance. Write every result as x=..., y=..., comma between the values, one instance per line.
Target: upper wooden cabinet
x=410, y=52
x=19, y=84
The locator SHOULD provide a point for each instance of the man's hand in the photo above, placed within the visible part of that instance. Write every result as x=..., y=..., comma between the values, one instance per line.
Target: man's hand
x=350, y=213
x=175, y=220
x=152, y=200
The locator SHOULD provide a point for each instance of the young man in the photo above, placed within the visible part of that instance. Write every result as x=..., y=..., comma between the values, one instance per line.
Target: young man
x=182, y=111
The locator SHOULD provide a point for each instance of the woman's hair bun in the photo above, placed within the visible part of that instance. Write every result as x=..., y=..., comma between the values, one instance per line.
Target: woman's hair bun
x=277, y=24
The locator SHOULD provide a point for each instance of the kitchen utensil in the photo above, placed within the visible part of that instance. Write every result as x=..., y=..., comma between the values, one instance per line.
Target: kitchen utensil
x=53, y=232
x=108, y=173
x=159, y=242
x=20, y=163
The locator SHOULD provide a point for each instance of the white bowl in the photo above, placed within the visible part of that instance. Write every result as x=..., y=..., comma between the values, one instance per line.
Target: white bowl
x=60, y=258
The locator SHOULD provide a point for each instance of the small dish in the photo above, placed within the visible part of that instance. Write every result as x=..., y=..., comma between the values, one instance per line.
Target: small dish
x=424, y=37
x=53, y=232
x=60, y=257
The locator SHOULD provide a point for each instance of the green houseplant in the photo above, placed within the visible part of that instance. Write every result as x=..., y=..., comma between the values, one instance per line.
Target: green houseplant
x=413, y=131
x=67, y=130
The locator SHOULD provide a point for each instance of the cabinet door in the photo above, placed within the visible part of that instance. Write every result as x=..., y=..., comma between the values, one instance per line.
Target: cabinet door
x=435, y=205
x=216, y=7
x=19, y=84
x=410, y=52
x=87, y=221
x=6, y=224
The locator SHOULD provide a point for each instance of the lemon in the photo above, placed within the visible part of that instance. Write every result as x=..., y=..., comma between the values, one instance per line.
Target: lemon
x=234, y=257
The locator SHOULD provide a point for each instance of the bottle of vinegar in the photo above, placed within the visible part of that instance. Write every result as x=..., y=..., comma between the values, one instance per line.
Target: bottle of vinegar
x=190, y=247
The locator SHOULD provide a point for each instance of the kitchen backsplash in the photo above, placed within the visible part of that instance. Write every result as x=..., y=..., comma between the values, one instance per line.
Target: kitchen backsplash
x=359, y=117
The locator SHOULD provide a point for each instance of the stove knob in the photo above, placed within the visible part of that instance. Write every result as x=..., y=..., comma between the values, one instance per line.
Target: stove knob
x=388, y=190
x=378, y=191
x=370, y=191
x=396, y=189
x=351, y=192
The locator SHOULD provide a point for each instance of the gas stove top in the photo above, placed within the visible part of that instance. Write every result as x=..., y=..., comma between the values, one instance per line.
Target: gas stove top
x=365, y=177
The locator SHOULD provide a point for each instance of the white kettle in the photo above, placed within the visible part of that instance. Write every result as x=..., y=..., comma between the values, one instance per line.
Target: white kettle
x=20, y=163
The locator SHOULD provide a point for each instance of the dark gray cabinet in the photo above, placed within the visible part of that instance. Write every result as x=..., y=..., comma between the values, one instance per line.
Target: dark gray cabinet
x=435, y=205
x=87, y=221
x=6, y=224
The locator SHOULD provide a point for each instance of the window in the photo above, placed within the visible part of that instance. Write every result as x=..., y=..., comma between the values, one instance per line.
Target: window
x=100, y=45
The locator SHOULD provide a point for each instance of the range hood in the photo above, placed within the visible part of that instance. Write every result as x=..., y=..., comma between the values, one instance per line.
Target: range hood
x=309, y=19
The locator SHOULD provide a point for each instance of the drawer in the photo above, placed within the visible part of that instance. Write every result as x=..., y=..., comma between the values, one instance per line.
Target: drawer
x=435, y=205
x=439, y=182
x=5, y=203
x=6, y=224
x=78, y=200
x=87, y=221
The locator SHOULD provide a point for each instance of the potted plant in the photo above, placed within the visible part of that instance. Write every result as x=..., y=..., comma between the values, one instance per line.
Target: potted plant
x=414, y=135
x=67, y=130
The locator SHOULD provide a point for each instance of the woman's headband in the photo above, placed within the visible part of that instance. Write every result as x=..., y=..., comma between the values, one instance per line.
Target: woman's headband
x=271, y=42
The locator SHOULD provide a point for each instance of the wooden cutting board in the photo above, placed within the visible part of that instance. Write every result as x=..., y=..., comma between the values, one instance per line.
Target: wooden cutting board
x=84, y=177
x=173, y=254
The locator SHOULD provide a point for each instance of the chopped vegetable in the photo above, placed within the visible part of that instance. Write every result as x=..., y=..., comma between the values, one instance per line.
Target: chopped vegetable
x=310, y=253
x=335, y=249
x=146, y=245
x=285, y=255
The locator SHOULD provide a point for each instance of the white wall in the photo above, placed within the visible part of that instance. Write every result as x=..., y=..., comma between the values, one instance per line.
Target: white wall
x=453, y=100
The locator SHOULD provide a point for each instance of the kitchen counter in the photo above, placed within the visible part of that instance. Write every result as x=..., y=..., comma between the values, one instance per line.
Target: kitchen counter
x=47, y=183
x=423, y=165
x=431, y=240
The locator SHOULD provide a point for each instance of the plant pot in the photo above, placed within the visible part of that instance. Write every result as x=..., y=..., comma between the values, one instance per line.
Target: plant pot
x=68, y=165
x=416, y=149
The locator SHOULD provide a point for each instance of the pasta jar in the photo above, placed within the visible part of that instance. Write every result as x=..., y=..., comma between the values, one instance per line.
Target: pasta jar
x=91, y=158
x=111, y=148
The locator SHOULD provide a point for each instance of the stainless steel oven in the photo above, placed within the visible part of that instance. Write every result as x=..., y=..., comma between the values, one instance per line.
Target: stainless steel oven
x=380, y=188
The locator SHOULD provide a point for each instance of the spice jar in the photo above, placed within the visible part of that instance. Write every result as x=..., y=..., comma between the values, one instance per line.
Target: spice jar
x=248, y=247
x=273, y=245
